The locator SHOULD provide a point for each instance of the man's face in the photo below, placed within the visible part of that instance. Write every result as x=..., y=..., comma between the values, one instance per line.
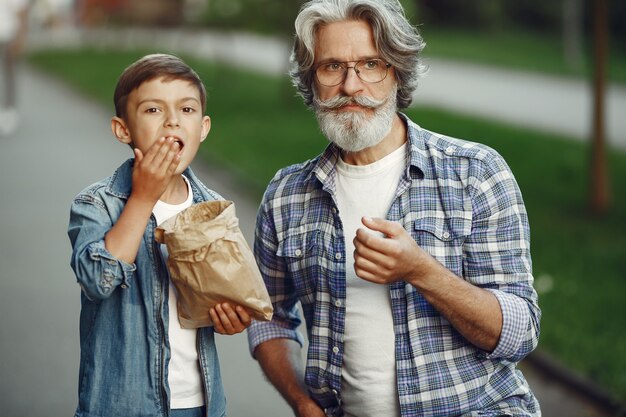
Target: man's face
x=354, y=114
x=166, y=108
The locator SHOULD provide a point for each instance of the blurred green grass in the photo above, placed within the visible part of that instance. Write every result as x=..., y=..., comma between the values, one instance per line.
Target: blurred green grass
x=519, y=49
x=259, y=125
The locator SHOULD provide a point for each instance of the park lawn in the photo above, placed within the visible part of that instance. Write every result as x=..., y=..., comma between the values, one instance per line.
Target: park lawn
x=259, y=125
x=524, y=50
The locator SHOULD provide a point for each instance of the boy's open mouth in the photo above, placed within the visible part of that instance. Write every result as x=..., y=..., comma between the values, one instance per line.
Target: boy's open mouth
x=180, y=142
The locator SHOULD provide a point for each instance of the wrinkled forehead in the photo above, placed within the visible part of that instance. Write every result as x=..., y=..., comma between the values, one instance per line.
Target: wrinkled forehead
x=351, y=40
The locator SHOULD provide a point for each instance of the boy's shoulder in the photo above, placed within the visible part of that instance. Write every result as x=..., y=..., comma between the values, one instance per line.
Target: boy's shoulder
x=116, y=185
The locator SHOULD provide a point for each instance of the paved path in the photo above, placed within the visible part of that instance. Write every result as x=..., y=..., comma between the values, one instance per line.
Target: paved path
x=520, y=98
x=64, y=144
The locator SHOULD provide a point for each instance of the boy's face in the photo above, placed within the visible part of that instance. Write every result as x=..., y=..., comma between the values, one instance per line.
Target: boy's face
x=164, y=108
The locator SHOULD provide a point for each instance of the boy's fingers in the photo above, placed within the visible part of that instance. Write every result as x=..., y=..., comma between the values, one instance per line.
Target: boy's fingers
x=166, y=153
x=232, y=314
x=138, y=154
x=216, y=321
x=245, y=318
x=153, y=150
x=224, y=318
x=162, y=157
x=229, y=320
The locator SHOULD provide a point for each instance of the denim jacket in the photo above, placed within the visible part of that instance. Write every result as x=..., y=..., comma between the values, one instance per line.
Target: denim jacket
x=124, y=312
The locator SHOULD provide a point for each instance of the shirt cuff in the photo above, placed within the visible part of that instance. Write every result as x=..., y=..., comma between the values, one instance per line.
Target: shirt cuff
x=515, y=318
x=114, y=270
x=262, y=331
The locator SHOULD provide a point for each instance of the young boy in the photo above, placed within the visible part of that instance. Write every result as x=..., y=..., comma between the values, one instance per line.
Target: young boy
x=136, y=360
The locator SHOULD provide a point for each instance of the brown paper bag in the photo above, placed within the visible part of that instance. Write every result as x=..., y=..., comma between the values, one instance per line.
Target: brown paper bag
x=210, y=262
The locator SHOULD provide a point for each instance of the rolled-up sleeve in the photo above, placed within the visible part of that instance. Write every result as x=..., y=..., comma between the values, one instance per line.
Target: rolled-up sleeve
x=497, y=258
x=286, y=318
x=519, y=334
x=97, y=271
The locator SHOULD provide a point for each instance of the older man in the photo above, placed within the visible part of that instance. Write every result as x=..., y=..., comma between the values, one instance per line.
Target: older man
x=408, y=250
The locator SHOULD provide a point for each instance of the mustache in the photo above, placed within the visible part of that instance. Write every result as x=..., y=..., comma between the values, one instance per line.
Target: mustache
x=340, y=101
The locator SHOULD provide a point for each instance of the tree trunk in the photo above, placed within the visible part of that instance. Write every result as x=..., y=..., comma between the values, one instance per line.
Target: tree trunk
x=600, y=194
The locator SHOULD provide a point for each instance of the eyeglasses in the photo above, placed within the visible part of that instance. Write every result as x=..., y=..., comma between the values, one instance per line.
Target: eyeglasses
x=368, y=70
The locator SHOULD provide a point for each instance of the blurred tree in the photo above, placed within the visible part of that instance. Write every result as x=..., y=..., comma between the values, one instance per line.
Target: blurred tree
x=600, y=194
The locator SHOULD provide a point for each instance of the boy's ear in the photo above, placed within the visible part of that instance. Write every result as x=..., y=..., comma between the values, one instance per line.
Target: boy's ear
x=206, y=127
x=120, y=130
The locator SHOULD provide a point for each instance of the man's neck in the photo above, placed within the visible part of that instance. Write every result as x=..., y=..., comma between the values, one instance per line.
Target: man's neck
x=394, y=139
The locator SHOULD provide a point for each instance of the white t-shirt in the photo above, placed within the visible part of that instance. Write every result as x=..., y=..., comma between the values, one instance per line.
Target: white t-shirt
x=184, y=377
x=368, y=383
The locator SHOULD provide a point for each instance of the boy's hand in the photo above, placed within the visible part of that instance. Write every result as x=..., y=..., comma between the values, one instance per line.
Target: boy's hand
x=229, y=320
x=153, y=171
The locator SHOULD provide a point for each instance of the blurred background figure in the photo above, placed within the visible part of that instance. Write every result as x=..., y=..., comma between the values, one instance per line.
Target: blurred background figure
x=13, y=19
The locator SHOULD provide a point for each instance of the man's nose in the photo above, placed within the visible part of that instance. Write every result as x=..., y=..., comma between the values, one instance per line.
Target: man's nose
x=351, y=83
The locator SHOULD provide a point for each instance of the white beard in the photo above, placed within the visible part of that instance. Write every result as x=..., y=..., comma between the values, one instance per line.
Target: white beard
x=353, y=131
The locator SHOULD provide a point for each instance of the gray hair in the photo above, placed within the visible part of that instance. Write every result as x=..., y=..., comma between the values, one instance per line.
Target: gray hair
x=397, y=41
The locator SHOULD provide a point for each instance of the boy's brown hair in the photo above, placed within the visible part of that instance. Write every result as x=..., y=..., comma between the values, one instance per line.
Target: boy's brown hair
x=149, y=67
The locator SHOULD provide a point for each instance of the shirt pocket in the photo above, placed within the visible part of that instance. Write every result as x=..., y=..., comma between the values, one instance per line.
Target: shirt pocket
x=443, y=239
x=304, y=256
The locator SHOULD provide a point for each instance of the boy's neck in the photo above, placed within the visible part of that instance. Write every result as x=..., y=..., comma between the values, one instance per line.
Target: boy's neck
x=176, y=192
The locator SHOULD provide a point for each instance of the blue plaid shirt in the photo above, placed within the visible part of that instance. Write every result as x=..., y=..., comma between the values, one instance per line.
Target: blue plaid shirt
x=461, y=203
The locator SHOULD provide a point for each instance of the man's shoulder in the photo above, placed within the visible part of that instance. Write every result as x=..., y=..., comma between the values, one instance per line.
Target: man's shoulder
x=292, y=178
x=441, y=144
x=439, y=152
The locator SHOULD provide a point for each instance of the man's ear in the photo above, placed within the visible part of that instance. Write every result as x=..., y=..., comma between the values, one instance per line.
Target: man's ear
x=120, y=130
x=206, y=127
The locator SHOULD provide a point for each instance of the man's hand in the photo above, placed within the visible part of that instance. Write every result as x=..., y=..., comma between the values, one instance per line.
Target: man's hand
x=229, y=320
x=385, y=259
x=154, y=171
x=473, y=311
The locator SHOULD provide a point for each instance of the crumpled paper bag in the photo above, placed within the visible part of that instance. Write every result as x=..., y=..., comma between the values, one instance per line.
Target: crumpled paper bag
x=210, y=262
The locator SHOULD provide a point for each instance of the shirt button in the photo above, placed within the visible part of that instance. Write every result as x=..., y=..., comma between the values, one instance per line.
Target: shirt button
x=337, y=303
x=334, y=210
x=124, y=286
x=446, y=235
x=335, y=349
x=337, y=256
x=449, y=150
x=298, y=253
